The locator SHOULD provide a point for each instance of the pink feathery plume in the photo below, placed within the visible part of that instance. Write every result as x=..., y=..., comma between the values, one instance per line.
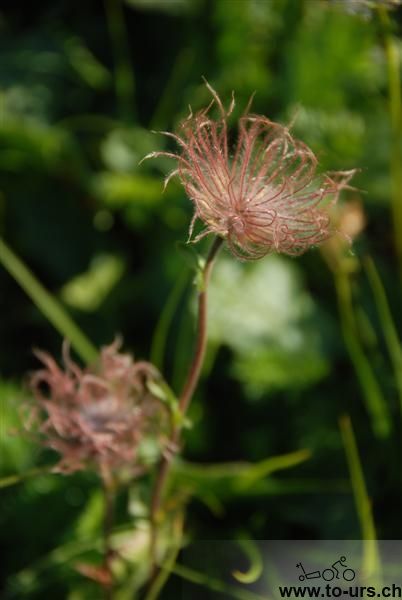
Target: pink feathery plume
x=262, y=197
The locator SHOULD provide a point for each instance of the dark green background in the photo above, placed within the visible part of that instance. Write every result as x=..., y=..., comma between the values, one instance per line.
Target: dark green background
x=82, y=85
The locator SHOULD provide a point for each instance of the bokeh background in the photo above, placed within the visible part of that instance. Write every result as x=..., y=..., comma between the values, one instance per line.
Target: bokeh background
x=295, y=344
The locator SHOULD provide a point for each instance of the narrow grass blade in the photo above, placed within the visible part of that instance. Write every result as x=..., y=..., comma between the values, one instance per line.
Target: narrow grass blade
x=371, y=560
x=159, y=340
x=375, y=401
x=47, y=304
x=387, y=323
x=20, y=477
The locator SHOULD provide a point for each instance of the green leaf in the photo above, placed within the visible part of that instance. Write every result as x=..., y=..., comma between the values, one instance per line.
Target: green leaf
x=123, y=148
x=20, y=477
x=118, y=190
x=86, y=64
x=17, y=452
x=88, y=290
x=253, y=554
x=162, y=391
x=227, y=480
x=90, y=520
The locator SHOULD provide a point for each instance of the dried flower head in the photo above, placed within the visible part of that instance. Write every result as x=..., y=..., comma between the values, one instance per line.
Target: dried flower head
x=96, y=417
x=265, y=196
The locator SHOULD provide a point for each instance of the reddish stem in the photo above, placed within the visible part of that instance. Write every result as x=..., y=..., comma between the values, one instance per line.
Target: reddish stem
x=188, y=389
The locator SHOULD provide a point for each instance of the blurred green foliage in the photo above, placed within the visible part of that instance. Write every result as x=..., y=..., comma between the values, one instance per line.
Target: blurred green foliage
x=81, y=87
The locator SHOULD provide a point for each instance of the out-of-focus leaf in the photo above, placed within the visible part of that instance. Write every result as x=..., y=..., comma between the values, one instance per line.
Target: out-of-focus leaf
x=86, y=64
x=342, y=132
x=253, y=554
x=117, y=190
x=244, y=64
x=278, y=368
x=88, y=290
x=28, y=102
x=16, y=451
x=33, y=145
x=19, y=478
x=165, y=393
x=228, y=480
x=331, y=39
x=90, y=520
x=123, y=149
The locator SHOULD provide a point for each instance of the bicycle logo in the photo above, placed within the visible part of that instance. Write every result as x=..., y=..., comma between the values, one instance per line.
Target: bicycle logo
x=330, y=573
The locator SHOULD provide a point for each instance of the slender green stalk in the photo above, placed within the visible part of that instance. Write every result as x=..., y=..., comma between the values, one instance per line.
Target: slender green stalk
x=395, y=109
x=375, y=401
x=47, y=303
x=387, y=323
x=20, y=477
x=159, y=339
x=371, y=560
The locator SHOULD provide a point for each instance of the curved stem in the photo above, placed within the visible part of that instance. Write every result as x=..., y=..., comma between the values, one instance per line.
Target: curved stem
x=196, y=365
x=188, y=389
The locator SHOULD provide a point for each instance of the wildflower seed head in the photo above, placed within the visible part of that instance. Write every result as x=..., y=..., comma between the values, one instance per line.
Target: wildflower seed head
x=97, y=417
x=262, y=197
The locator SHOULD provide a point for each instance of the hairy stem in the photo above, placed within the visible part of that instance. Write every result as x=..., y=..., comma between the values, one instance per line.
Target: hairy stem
x=196, y=365
x=188, y=389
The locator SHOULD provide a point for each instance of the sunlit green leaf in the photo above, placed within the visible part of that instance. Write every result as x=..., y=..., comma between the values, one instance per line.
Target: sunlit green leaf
x=86, y=64
x=228, y=480
x=88, y=290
